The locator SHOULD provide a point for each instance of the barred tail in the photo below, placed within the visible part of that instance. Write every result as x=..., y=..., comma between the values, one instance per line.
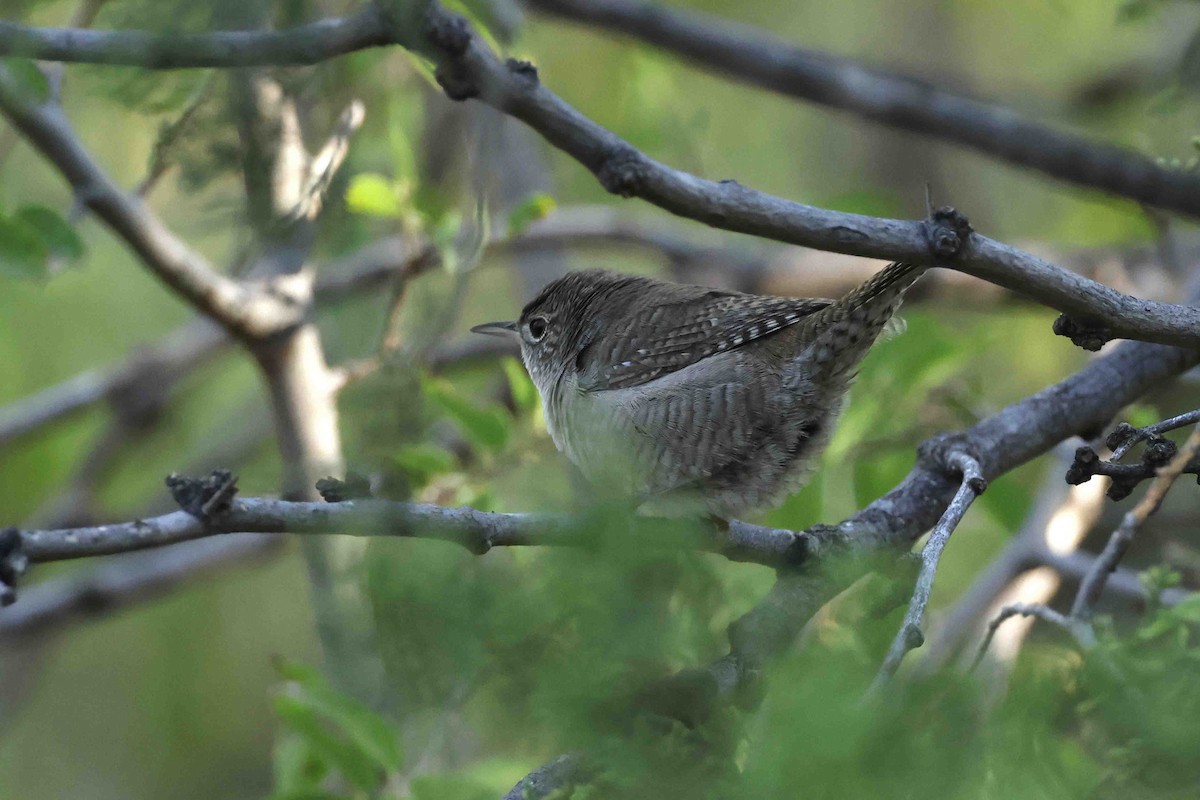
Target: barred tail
x=842, y=333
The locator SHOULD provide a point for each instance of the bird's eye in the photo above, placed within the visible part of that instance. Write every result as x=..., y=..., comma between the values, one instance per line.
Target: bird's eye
x=537, y=328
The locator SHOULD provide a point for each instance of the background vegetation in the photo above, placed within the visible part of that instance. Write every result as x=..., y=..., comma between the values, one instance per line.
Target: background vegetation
x=477, y=669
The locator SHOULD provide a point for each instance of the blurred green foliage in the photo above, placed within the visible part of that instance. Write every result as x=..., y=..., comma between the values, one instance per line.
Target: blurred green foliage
x=496, y=664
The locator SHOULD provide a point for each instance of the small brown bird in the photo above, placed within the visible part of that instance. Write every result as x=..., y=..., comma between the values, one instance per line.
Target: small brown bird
x=695, y=400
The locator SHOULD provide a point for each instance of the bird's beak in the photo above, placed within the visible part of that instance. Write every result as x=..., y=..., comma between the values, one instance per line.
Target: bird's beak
x=496, y=328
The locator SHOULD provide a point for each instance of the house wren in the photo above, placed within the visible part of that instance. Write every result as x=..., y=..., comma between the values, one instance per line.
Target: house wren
x=695, y=400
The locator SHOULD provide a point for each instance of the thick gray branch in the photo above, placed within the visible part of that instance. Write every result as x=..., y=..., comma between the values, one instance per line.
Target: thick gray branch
x=755, y=57
x=477, y=531
x=468, y=68
x=1024, y=430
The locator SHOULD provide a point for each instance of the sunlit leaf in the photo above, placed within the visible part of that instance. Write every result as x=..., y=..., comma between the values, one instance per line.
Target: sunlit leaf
x=295, y=767
x=534, y=207
x=374, y=195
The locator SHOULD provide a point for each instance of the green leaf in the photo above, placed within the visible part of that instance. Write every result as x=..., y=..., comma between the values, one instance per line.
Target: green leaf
x=345, y=757
x=423, y=461
x=295, y=767
x=303, y=674
x=524, y=392
x=373, y=195
x=534, y=207
x=27, y=78
x=1187, y=610
x=486, y=427
x=371, y=733
x=60, y=238
x=23, y=250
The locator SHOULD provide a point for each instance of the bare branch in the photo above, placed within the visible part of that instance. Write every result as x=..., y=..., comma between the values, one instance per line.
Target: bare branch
x=1082, y=632
x=243, y=311
x=1094, y=582
x=746, y=54
x=177, y=354
x=468, y=68
x=910, y=636
x=1002, y=442
x=1125, y=436
x=476, y=531
x=755, y=57
x=131, y=579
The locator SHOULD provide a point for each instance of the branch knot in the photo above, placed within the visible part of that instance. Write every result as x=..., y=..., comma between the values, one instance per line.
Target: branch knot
x=622, y=171
x=449, y=33
x=205, y=497
x=1125, y=478
x=1089, y=334
x=523, y=69
x=13, y=562
x=356, y=486
x=947, y=231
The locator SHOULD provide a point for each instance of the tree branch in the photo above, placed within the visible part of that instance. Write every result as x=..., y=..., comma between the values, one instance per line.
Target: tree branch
x=242, y=310
x=1018, y=433
x=468, y=68
x=1094, y=582
x=910, y=636
x=756, y=58
x=476, y=531
x=1079, y=621
x=1081, y=632
x=128, y=580
x=562, y=772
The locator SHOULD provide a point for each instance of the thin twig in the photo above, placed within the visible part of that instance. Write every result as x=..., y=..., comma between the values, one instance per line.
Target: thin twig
x=1082, y=632
x=910, y=636
x=1094, y=582
x=1134, y=435
x=245, y=312
x=390, y=338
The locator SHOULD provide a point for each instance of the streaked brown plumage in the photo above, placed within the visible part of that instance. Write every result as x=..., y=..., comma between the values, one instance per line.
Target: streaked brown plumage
x=692, y=399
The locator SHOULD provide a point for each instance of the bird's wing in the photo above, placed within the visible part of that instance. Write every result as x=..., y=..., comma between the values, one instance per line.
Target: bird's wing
x=663, y=338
